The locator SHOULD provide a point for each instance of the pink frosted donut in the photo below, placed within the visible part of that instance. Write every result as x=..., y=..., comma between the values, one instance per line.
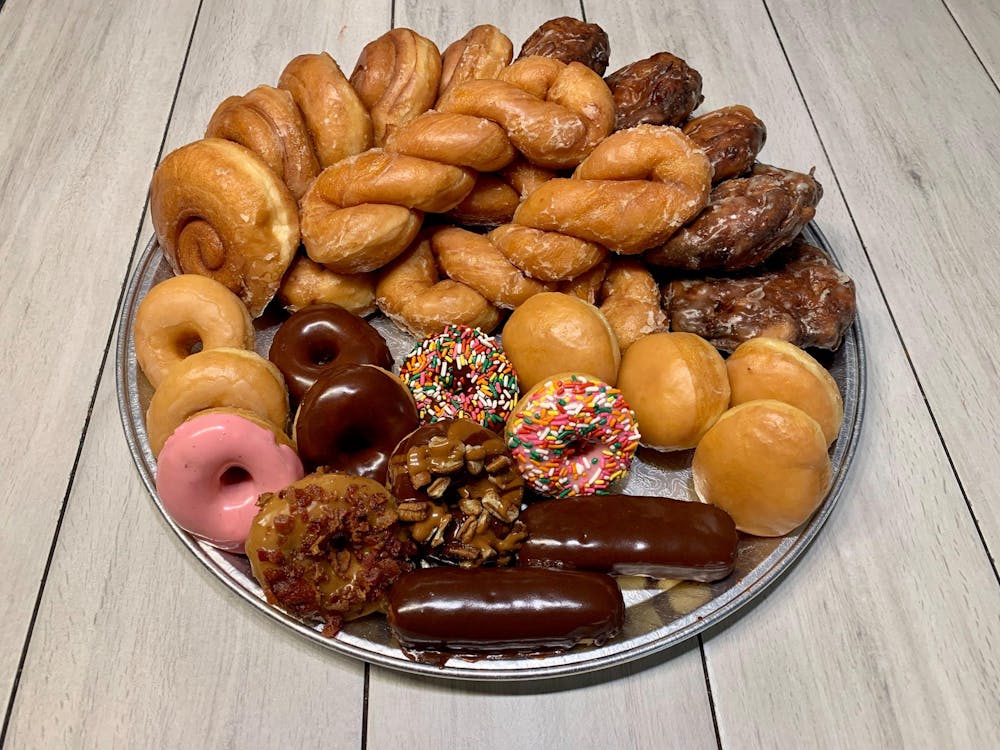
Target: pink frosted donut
x=213, y=468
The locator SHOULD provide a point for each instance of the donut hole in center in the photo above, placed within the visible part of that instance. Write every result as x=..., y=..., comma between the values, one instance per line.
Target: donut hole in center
x=234, y=476
x=353, y=442
x=323, y=353
x=188, y=344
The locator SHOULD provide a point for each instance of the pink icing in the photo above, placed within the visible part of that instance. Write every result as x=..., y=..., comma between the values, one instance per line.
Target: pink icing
x=211, y=471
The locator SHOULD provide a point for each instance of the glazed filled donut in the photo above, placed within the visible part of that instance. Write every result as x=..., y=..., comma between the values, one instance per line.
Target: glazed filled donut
x=572, y=435
x=321, y=337
x=211, y=378
x=182, y=313
x=459, y=493
x=351, y=419
x=461, y=374
x=327, y=548
x=213, y=468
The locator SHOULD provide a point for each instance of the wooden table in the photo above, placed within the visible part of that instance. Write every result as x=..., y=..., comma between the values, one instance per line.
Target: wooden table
x=886, y=633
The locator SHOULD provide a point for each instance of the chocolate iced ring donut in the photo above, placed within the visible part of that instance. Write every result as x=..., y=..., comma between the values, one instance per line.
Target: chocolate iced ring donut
x=351, y=419
x=321, y=337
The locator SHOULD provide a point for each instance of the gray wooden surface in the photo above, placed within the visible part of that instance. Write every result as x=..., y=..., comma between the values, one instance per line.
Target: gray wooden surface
x=887, y=632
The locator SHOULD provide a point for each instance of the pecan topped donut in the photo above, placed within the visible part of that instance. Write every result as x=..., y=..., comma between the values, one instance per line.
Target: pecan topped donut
x=459, y=493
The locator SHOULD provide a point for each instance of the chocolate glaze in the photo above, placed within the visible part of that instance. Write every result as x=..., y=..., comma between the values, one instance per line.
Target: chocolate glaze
x=321, y=337
x=351, y=419
x=649, y=536
x=503, y=611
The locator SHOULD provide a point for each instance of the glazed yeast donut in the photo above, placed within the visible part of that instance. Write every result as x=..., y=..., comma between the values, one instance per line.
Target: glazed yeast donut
x=572, y=435
x=211, y=378
x=213, y=468
x=220, y=211
x=309, y=283
x=182, y=313
x=327, y=548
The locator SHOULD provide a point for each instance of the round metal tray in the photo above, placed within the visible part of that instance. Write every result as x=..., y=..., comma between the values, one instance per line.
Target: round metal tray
x=658, y=614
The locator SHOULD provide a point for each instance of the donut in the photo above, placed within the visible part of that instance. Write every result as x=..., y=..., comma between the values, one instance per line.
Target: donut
x=572, y=435
x=352, y=418
x=213, y=468
x=211, y=378
x=461, y=374
x=327, y=548
x=321, y=337
x=459, y=493
x=185, y=312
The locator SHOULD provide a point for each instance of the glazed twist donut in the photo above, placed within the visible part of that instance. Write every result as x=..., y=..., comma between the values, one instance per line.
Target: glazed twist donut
x=334, y=114
x=482, y=53
x=363, y=211
x=308, y=283
x=219, y=211
x=630, y=300
x=397, y=77
x=553, y=113
x=267, y=122
x=413, y=295
x=495, y=196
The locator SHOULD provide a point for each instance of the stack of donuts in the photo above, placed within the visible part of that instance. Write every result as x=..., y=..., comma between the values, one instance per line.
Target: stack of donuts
x=462, y=195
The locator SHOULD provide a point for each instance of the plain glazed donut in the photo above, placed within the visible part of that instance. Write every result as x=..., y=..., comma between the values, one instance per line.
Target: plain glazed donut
x=572, y=435
x=181, y=313
x=351, y=419
x=321, y=337
x=327, y=548
x=213, y=468
x=309, y=283
x=216, y=377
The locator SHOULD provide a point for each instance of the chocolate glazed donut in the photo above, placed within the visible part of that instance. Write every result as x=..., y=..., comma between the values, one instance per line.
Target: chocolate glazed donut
x=351, y=419
x=320, y=338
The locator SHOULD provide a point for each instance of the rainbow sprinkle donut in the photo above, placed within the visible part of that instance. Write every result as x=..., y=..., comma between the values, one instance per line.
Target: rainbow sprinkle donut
x=461, y=374
x=572, y=435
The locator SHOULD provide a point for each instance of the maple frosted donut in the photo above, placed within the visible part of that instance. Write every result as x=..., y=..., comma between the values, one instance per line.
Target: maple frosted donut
x=461, y=373
x=572, y=435
x=182, y=312
x=213, y=468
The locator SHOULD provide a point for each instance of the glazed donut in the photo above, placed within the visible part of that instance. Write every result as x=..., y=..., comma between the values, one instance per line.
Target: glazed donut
x=546, y=256
x=482, y=53
x=587, y=286
x=630, y=300
x=459, y=493
x=461, y=374
x=213, y=468
x=308, y=283
x=327, y=548
x=181, y=313
x=220, y=211
x=211, y=378
x=412, y=294
x=572, y=435
x=267, y=122
x=495, y=197
x=334, y=114
x=351, y=419
x=397, y=77
x=321, y=337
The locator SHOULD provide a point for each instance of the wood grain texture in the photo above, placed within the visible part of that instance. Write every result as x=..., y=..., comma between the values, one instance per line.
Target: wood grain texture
x=85, y=94
x=979, y=21
x=843, y=652
x=915, y=170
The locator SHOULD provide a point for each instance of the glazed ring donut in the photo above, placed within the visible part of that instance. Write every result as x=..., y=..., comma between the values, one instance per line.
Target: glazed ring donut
x=328, y=548
x=321, y=337
x=213, y=468
x=351, y=419
x=211, y=378
x=572, y=435
x=181, y=313
x=461, y=374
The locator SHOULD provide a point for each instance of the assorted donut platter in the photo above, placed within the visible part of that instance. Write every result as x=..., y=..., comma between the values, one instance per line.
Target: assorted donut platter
x=486, y=367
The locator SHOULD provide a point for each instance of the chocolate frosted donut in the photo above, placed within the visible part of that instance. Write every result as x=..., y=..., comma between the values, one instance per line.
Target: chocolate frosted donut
x=351, y=419
x=321, y=337
x=459, y=493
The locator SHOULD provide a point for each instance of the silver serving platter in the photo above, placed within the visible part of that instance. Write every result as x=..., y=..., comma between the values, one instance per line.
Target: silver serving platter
x=659, y=614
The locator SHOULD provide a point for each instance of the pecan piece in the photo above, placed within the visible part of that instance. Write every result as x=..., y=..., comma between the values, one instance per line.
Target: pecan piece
x=660, y=90
x=570, y=40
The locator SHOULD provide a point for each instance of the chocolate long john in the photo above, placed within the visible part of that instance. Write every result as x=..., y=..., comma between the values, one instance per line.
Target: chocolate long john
x=503, y=611
x=631, y=535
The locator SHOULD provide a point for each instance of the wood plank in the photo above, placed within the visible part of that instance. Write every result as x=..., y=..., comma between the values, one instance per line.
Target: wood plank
x=85, y=94
x=844, y=652
x=915, y=170
x=979, y=21
x=131, y=629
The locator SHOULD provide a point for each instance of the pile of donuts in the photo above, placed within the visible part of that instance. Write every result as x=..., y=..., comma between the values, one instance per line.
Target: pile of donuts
x=465, y=195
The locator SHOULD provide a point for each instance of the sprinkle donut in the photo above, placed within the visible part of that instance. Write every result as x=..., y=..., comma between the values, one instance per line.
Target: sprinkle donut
x=462, y=373
x=213, y=468
x=572, y=435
